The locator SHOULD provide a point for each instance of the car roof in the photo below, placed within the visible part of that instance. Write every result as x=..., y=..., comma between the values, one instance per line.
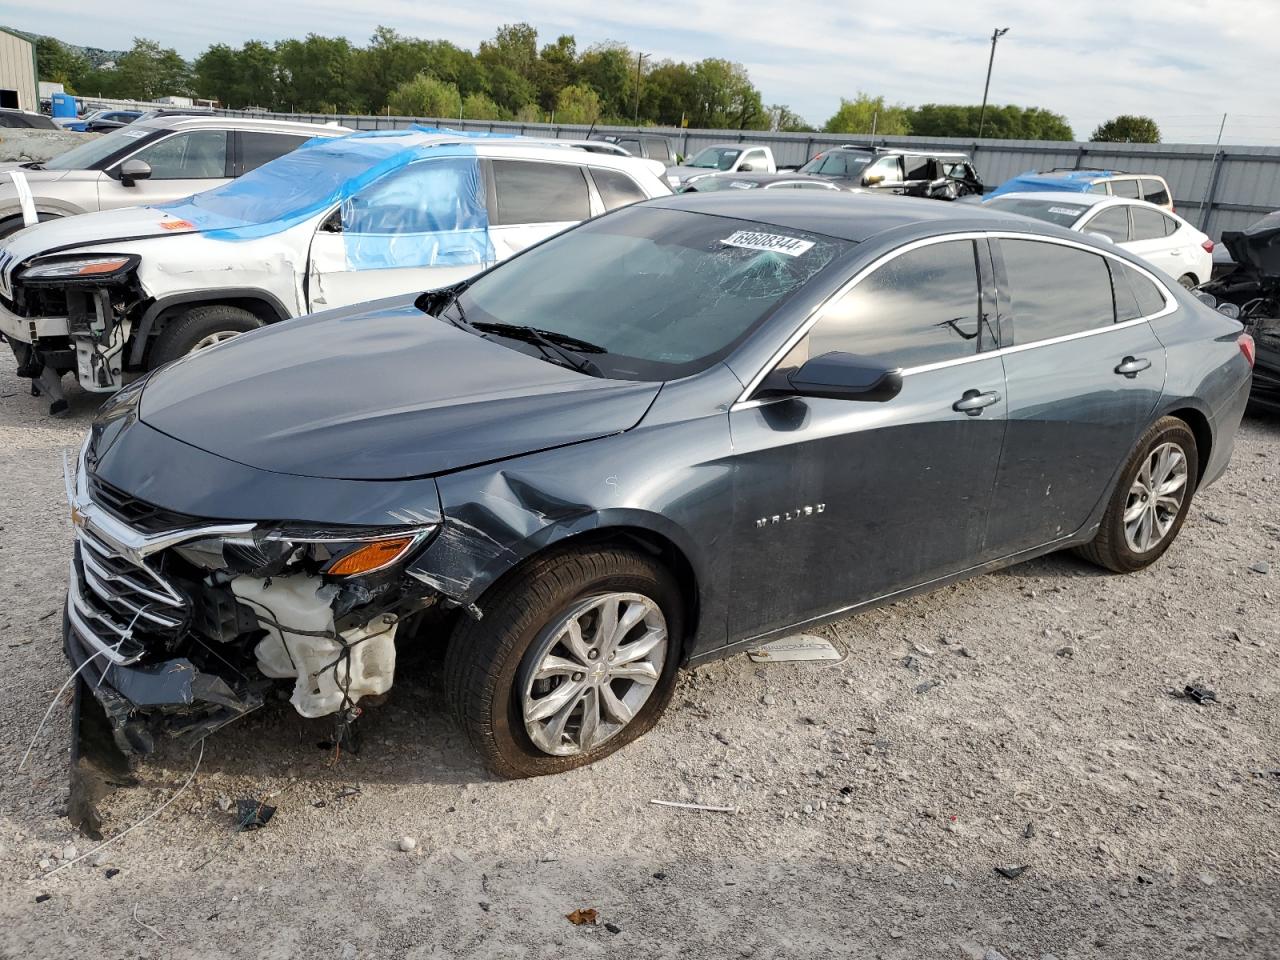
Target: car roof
x=844, y=215
x=1057, y=196
x=763, y=177
x=893, y=151
x=189, y=121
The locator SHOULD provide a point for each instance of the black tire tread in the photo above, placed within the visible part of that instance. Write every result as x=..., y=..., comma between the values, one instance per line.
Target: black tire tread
x=1104, y=550
x=172, y=340
x=479, y=649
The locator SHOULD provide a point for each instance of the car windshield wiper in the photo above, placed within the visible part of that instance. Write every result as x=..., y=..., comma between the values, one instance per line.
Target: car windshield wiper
x=557, y=347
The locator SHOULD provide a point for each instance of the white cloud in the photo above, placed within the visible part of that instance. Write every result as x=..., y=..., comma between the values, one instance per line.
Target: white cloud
x=1184, y=62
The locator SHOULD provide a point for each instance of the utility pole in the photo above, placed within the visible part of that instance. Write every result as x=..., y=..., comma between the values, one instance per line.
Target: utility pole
x=982, y=116
x=640, y=59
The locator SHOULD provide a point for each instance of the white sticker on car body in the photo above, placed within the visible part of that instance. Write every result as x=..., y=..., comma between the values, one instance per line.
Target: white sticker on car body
x=1067, y=211
x=771, y=242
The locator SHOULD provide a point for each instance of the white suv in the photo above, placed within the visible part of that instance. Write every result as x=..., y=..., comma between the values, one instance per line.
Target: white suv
x=152, y=161
x=334, y=223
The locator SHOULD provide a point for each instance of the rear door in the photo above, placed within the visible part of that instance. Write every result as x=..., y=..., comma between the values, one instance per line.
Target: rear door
x=187, y=162
x=839, y=501
x=252, y=148
x=533, y=199
x=1153, y=240
x=656, y=148
x=1084, y=372
x=417, y=228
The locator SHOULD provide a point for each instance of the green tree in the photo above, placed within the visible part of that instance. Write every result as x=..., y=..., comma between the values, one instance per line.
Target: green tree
x=669, y=93
x=577, y=104
x=865, y=114
x=477, y=106
x=58, y=63
x=556, y=69
x=426, y=96
x=783, y=118
x=529, y=113
x=724, y=98
x=216, y=73
x=388, y=61
x=149, y=71
x=1127, y=128
x=609, y=69
x=315, y=74
x=509, y=89
x=514, y=46
x=1001, y=123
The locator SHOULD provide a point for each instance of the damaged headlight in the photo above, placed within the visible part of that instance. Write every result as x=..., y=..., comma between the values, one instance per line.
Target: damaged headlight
x=100, y=269
x=330, y=552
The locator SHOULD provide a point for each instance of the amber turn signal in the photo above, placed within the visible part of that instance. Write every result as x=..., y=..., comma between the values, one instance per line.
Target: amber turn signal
x=371, y=557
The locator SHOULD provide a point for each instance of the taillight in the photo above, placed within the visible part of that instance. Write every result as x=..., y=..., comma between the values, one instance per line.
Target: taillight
x=1247, y=348
x=1208, y=246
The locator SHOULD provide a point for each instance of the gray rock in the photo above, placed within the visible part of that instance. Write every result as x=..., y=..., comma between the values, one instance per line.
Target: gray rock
x=1208, y=879
x=768, y=700
x=971, y=950
x=993, y=954
x=349, y=951
x=101, y=858
x=1260, y=567
x=408, y=844
x=69, y=852
x=1066, y=652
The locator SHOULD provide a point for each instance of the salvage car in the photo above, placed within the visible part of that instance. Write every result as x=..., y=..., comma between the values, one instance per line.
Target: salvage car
x=661, y=437
x=1250, y=292
x=152, y=161
x=757, y=181
x=722, y=158
x=912, y=173
x=1111, y=183
x=336, y=222
x=1161, y=238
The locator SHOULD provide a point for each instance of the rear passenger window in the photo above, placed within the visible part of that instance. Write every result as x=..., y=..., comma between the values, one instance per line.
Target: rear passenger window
x=658, y=150
x=1136, y=296
x=1154, y=191
x=1056, y=290
x=616, y=189
x=1112, y=222
x=922, y=307
x=259, y=148
x=1125, y=188
x=1150, y=224
x=540, y=192
x=918, y=168
x=632, y=147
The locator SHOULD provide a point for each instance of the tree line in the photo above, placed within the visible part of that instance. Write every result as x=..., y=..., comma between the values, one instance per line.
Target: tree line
x=510, y=77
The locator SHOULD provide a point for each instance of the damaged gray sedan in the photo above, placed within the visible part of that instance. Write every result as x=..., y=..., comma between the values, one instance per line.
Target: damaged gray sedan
x=671, y=432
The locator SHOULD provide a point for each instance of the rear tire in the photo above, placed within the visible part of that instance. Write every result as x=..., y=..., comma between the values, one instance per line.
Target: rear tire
x=199, y=327
x=1142, y=520
x=1189, y=281
x=501, y=669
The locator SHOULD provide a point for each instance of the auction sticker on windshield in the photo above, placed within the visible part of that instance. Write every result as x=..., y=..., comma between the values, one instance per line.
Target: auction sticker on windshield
x=1067, y=211
x=772, y=242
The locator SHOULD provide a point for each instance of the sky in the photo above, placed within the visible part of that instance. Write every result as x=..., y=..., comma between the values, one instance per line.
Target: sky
x=1183, y=62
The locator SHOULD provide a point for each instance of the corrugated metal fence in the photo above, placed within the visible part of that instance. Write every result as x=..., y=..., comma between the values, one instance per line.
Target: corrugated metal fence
x=1217, y=189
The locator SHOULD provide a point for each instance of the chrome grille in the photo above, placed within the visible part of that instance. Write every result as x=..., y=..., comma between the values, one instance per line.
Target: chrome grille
x=129, y=607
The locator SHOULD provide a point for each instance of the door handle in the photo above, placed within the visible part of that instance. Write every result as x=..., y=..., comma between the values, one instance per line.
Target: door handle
x=974, y=402
x=1132, y=366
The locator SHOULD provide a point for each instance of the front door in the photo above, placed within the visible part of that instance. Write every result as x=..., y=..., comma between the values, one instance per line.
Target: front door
x=838, y=501
x=421, y=227
x=187, y=162
x=1083, y=378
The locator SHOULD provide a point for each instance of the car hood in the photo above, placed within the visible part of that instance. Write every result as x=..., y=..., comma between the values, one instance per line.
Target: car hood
x=684, y=171
x=380, y=392
x=91, y=229
x=1257, y=246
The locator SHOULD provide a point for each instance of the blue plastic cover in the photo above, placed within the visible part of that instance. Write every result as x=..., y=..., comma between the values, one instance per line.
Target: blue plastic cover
x=430, y=213
x=1068, y=181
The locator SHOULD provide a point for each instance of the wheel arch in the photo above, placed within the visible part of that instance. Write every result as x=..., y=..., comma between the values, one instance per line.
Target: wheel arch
x=262, y=304
x=1201, y=429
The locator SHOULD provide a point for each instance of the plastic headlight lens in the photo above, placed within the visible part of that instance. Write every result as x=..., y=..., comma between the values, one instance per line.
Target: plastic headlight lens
x=81, y=268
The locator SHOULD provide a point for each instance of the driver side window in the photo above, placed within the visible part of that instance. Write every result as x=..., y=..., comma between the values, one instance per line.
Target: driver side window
x=889, y=168
x=194, y=155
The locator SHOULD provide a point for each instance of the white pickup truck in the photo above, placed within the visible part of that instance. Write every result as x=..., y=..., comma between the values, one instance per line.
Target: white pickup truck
x=722, y=158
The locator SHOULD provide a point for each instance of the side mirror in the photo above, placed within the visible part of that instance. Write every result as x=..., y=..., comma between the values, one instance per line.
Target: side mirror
x=871, y=179
x=131, y=171
x=745, y=168
x=844, y=376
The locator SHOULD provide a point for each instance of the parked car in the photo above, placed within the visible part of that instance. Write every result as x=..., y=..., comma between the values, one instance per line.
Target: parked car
x=932, y=174
x=1161, y=238
x=25, y=119
x=336, y=222
x=659, y=438
x=650, y=146
x=152, y=161
x=722, y=158
x=1112, y=183
x=1250, y=291
x=111, y=120
x=658, y=168
x=758, y=181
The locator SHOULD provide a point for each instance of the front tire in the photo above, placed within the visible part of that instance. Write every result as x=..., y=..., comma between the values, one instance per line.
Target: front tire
x=575, y=656
x=1151, y=500
x=201, y=327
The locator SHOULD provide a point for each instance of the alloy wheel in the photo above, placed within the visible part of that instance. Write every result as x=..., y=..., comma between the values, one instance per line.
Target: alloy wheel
x=213, y=339
x=1156, y=497
x=594, y=669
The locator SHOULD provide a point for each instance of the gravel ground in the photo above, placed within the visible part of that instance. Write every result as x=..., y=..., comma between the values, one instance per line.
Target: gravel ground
x=1026, y=718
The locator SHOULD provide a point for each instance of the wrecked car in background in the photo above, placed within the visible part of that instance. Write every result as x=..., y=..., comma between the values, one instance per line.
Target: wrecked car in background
x=335, y=222
x=626, y=449
x=1250, y=292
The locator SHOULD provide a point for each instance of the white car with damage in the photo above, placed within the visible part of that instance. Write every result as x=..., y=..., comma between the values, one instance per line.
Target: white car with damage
x=336, y=222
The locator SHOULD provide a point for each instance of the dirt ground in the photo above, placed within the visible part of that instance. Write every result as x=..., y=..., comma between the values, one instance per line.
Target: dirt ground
x=1026, y=718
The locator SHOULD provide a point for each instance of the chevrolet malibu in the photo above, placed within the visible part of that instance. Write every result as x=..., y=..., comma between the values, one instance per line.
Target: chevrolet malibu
x=658, y=438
